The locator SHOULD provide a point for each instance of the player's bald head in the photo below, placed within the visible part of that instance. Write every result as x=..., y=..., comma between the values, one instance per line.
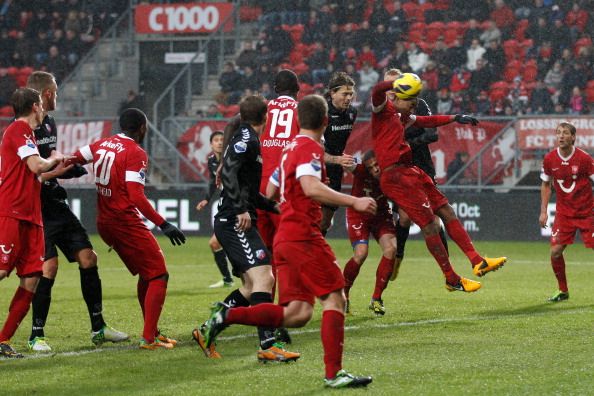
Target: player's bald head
x=132, y=121
x=286, y=82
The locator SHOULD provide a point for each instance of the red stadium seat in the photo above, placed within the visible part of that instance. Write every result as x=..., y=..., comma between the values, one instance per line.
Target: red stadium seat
x=450, y=35
x=12, y=71
x=442, y=5
x=300, y=68
x=415, y=36
x=410, y=9
x=529, y=74
x=590, y=84
x=510, y=73
x=6, y=111
x=497, y=94
x=249, y=13
x=511, y=49
x=230, y=111
x=589, y=93
x=21, y=79
x=530, y=63
x=418, y=27
x=583, y=42
x=456, y=26
x=296, y=33
x=434, y=30
x=501, y=85
x=515, y=64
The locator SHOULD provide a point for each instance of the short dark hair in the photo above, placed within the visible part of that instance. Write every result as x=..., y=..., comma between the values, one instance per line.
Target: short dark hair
x=368, y=155
x=40, y=80
x=252, y=109
x=569, y=126
x=215, y=134
x=22, y=101
x=312, y=112
x=131, y=120
x=338, y=80
x=286, y=81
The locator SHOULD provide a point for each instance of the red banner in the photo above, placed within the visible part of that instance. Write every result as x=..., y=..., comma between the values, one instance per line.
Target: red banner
x=182, y=18
x=539, y=133
x=453, y=138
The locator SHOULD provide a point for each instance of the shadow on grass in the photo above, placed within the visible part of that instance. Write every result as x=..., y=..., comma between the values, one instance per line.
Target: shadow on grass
x=537, y=309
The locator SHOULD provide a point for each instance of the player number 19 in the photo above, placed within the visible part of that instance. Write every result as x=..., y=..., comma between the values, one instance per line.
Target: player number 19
x=282, y=118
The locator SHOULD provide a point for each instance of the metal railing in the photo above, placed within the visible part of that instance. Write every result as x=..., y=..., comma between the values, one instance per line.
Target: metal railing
x=185, y=82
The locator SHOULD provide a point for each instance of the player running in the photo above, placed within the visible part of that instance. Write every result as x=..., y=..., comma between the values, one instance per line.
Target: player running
x=571, y=171
x=306, y=265
x=119, y=166
x=411, y=188
x=361, y=225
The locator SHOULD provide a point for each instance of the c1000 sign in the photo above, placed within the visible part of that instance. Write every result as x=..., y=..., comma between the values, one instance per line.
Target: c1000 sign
x=181, y=18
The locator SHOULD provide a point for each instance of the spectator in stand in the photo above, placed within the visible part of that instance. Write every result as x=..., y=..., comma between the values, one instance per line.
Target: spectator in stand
x=566, y=59
x=41, y=47
x=459, y=103
x=231, y=83
x=380, y=42
x=575, y=77
x=559, y=109
x=398, y=24
x=132, y=101
x=577, y=20
x=560, y=36
x=430, y=79
x=474, y=31
x=265, y=56
x=397, y=58
x=518, y=95
x=504, y=18
x=491, y=33
x=72, y=22
x=495, y=57
x=279, y=42
x=368, y=77
x=349, y=38
x=212, y=111
x=57, y=38
x=460, y=80
x=462, y=9
x=455, y=166
x=265, y=76
x=250, y=79
x=445, y=77
x=248, y=56
x=6, y=49
x=540, y=100
x=22, y=54
x=7, y=86
x=56, y=63
x=314, y=30
x=417, y=59
x=482, y=104
x=335, y=37
x=444, y=102
x=318, y=64
x=539, y=32
x=440, y=51
x=379, y=15
x=456, y=55
x=351, y=12
x=366, y=56
x=474, y=53
x=577, y=102
x=365, y=34
x=73, y=47
x=586, y=59
x=554, y=77
x=537, y=10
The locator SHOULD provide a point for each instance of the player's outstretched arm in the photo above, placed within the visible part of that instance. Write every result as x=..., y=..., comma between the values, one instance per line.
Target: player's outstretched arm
x=315, y=189
x=434, y=121
x=378, y=95
x=58, y=171
x=39, y=165
x=545, y=196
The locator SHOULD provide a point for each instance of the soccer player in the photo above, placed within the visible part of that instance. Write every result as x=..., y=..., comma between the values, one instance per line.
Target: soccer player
x=235, y=225
x=63, y=229
x=306, y=265
x=411, y=188
x=213, y=161
x=571, y=171
x=119, y=166
x=361, y=225
x=341, y=117
x=21, y=229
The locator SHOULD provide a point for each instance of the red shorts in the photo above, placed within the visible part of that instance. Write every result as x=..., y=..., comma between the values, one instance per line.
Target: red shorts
x=414, y=192
x=360, y=226
x=137, y=247
x=21, y=247
x=306, y=269
x=564, y=229
x=267, y=226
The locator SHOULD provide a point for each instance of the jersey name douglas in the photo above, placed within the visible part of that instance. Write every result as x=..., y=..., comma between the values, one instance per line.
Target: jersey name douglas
x=572, y=179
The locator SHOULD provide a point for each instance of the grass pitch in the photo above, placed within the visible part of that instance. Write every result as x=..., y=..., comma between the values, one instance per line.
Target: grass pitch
x=504, y=339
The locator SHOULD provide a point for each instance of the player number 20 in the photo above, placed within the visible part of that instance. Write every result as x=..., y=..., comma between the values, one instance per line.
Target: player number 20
x=103, y=166
x=283, y=119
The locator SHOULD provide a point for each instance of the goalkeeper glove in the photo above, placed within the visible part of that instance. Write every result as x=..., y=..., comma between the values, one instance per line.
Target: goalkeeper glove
x=175, y=235
x=465, y=119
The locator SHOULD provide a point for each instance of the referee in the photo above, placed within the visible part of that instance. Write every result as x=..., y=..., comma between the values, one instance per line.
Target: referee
x=63, y=229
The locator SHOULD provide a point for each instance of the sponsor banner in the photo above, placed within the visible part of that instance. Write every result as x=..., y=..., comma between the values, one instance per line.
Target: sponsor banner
x=194, y=144
x=486, y=216
x=539, y=133
x=182, y=18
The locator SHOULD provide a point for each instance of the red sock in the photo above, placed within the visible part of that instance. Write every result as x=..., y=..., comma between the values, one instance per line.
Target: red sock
x=351, y=270
x=459, y=235
x=332, y=333
x=559, y=270
x=382, y=276
x=264, y=315
x=436, y=248
x=19, y=306
x=153, y=304
x=141, y=288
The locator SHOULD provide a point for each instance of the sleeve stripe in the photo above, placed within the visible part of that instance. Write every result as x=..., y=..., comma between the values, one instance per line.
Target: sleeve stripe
x=274, y=181
x=545, y=177
x=135, y=177
x=27, y=151
x=307, y=170
x=86, y=152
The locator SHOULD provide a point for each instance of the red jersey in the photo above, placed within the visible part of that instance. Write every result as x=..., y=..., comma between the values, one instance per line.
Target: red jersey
x=365, y=185
x=282, y=126
x=300, y=215
x=571, y=178
x=20, y=189
x=119, y=165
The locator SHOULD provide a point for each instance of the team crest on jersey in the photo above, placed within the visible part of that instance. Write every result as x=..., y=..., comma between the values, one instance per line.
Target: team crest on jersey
x=260, y=254
x=240, y=147
x=30, y=143
x=48, y=127
x=142, y=174
x=316, y=164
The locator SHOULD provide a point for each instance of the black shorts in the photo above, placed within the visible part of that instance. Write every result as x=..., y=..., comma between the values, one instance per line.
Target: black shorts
x=245, y=250
x=69, y=235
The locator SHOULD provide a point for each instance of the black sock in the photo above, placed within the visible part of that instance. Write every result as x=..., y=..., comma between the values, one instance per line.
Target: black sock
x=90, y=284
x=221, y=260
x=401, y=237
x=236, y=299
x=40, y=306
x=266, y=334
x=444, y=240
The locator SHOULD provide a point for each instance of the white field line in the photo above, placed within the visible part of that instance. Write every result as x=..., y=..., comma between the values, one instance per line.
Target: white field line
x=425, y=322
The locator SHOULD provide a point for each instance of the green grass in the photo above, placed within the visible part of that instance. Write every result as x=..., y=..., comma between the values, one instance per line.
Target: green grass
x=504, y=339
